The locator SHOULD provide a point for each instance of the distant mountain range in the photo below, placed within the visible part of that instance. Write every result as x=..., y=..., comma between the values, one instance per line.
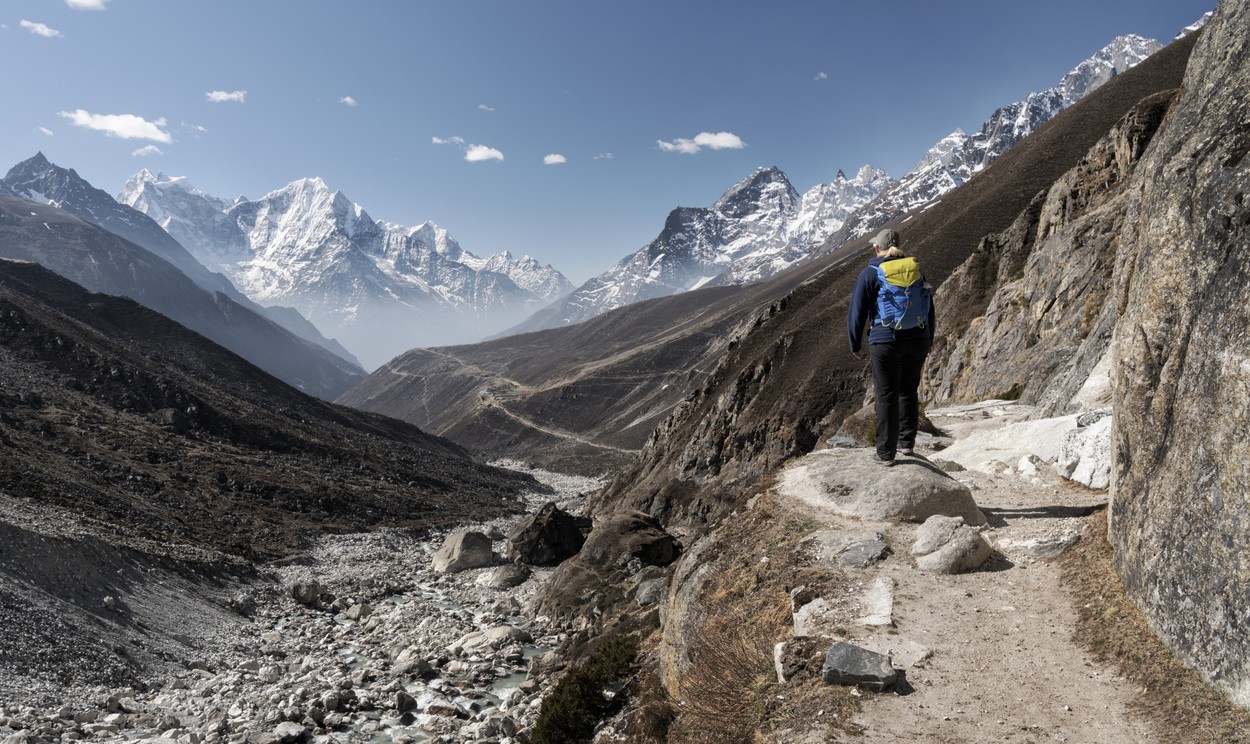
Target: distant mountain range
x=379, y=287
x=761, y=226
x=51, y=216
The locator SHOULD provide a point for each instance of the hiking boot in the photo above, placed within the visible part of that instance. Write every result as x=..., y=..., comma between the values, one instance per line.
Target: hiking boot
x=909, y=451
x=879, y=459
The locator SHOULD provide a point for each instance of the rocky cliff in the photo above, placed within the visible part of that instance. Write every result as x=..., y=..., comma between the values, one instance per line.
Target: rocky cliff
x=1179, y=517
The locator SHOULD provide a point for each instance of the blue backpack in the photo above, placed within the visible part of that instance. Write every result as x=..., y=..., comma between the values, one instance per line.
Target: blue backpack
x=903, y=298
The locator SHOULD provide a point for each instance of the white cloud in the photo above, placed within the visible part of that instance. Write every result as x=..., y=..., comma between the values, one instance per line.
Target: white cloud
x=480, y=153
x=605, y=156
x=86, y=4
x=555, y=158
x=448, y=140
x=44, y=131
x=484, y=107
x=221, y=96
x=125, y=126
x=349, y=101
x=821, y=76
x=39, y=29
x=195, y=129
x=712, y=141
x=147, y=150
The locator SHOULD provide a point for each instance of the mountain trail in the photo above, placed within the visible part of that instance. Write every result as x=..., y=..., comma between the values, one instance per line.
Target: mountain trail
x=989, y=655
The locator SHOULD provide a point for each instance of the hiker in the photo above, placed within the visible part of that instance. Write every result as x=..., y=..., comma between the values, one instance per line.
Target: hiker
x=893, y=298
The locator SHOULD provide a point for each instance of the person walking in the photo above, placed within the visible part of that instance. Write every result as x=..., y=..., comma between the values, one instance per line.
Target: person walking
x=892, y=297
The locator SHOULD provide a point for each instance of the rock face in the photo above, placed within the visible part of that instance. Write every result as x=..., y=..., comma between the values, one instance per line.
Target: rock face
x=1029, y=316
x=1182, y=378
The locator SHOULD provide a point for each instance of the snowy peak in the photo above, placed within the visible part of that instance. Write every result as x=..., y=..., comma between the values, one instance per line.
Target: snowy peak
x=958, y=156
x=767, y=190
x=380, y=288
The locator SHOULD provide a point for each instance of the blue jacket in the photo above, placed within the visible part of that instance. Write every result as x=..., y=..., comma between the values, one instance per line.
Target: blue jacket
x=864, y=310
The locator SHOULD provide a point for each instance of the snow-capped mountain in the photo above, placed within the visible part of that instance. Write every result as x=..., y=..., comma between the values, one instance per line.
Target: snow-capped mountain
x=758, y=227
x=380, y=287
x=39, y=180
x=959, y=156
x=743, y=239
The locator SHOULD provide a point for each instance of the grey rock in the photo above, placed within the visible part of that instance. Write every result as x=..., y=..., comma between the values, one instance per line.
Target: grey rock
x=948, y=546
x=307, y=593
x=649, y=592
x=462, y=551
x=1085, y=456
x=289, y=731
x=507, y=576
x=850, y=483
x=847, y=664
x=863, y=554
x=358, y=611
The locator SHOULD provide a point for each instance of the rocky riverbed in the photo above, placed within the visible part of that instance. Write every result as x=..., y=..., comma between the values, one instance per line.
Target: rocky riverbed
x=358, y=639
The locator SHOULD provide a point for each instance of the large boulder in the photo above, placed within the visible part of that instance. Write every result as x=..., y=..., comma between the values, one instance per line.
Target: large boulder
x=548, y=537
x=462, y=551
x=849, y=482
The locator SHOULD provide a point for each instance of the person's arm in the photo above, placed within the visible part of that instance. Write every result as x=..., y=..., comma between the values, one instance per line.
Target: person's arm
x=857, y=314
x=932, y=322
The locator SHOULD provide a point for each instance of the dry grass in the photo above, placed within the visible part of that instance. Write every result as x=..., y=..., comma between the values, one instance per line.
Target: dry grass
x=1180, y=705
x=731, y=692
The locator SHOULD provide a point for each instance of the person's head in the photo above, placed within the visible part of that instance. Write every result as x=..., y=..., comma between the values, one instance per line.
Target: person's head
x=885, y=244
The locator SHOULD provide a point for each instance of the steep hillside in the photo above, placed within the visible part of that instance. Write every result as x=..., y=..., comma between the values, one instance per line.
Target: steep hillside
x=104, y=262
x=579, y=399
x=119, y=416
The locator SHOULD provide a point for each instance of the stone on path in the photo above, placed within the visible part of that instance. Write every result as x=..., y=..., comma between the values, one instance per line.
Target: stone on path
x=847, y=548
x=847, y=664
x=848, y=482
x=946, y=545
x=462, y=551
x=878, y=603
x=1085, y=456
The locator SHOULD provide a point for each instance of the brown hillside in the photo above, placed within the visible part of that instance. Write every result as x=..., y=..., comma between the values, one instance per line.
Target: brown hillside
x=155, y=435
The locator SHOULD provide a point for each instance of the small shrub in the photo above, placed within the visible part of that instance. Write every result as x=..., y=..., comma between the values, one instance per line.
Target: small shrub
x=577, y=703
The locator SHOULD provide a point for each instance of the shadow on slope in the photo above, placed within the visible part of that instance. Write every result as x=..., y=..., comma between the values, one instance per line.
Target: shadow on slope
x=104, y=262
x=154, y=436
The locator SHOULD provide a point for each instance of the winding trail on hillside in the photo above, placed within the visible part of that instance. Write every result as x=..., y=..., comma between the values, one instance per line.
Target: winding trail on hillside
x=989, y=655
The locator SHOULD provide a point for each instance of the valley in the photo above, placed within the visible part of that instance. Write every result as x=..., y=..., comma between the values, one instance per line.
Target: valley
x=262, y=482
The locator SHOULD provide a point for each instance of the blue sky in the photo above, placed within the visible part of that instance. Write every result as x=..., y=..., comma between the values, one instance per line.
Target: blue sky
x=563, y=130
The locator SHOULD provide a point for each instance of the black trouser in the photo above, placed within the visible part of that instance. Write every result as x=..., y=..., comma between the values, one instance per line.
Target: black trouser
x=896, y=370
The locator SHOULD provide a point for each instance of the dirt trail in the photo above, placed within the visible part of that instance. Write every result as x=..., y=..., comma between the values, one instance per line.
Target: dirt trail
x=989, y=655
x=1005, y=665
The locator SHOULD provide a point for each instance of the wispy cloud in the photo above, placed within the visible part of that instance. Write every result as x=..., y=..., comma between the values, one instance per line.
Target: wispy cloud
x=555, y=158
x=86, y=4
x=484, y=107
x=821, y=76
x=195, y=129
x=447, y=140
x=710, y=140
x=482, y=153
x=125, y=126
x=39, y=29
x=349, y=101
x=44, y=131
x=605, y=156
x=147, y=150
x=221, y=96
